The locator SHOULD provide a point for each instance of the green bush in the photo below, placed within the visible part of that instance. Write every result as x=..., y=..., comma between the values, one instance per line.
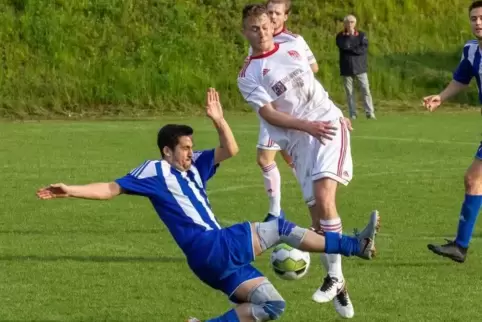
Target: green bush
x=159, y=56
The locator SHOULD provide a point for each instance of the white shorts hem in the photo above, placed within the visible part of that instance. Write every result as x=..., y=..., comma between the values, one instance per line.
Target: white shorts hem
x=330, y=175
x=269, y=148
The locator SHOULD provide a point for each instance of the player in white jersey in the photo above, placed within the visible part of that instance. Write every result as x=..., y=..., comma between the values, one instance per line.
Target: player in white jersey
x=220, y=257
x=278, y=11
x=279, y=84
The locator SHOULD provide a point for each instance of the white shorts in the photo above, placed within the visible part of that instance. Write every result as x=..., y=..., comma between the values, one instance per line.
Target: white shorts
x=264, y=141
x=314, y=161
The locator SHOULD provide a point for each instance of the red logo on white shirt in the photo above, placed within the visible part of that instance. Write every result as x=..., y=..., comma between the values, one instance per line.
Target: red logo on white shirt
x=294, y=54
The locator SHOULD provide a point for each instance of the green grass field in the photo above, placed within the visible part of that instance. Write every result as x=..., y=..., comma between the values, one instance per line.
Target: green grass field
x=78, y=260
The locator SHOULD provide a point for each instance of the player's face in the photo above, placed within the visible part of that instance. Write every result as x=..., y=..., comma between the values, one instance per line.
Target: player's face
x=277, y=14
x=259, y=32
x=182, y=158
x=476, y=22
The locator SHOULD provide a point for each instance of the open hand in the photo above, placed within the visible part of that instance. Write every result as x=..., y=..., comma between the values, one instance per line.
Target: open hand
x=57, y=190
x=432, y=102
x=214, y=109
x=322, y=130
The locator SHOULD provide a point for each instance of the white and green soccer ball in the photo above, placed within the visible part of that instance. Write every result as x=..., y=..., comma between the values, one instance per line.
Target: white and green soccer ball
x=289, y=263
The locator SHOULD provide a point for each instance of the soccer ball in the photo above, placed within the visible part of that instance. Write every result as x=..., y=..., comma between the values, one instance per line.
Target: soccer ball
x=289, y=263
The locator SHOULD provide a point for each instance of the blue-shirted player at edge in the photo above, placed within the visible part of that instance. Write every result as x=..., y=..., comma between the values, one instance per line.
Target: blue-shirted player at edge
x=469, y=67
x=220, y=257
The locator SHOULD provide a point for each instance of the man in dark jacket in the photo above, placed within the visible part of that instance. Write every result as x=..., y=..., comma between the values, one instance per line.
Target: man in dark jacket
x=353, y=47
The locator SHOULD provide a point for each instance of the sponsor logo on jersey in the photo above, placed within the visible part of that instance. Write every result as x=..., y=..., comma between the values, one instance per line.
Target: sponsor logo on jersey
x=279, y=88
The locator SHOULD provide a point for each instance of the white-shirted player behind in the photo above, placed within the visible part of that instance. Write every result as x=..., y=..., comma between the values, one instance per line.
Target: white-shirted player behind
x=278, y=11
x=279, y=84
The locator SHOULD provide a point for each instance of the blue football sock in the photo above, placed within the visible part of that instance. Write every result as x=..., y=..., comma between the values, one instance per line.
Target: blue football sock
x=468, y=216
x=336, y=243
x=229, y=316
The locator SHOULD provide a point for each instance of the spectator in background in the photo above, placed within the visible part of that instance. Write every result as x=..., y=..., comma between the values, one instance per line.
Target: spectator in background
x=353, y=47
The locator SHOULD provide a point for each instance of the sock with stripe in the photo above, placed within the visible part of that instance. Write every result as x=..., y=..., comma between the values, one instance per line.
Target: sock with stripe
x=332, y=262
x=272, y=185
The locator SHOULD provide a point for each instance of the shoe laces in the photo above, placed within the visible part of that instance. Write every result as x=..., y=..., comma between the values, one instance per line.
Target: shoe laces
x=328, y=284
x=342, y=297
x=449, y=243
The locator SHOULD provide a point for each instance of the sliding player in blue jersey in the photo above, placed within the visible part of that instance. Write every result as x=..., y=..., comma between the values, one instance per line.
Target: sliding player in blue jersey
x=220, y=257
x=469, y=67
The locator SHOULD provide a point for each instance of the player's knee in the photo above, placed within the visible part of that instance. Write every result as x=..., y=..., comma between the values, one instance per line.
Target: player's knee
x=265, y=158
x=473, y=182
x=268, y=304
x=275, y=309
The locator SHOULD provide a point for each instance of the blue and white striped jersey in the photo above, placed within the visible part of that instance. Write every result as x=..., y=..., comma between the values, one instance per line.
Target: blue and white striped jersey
x=470, y=66
x=179, y=198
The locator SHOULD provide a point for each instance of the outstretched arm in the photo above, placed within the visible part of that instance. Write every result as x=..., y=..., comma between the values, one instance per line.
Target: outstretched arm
x=460, y=81
x=432, y=102
x=96, y=191
x=228, y=147
x=452, y=89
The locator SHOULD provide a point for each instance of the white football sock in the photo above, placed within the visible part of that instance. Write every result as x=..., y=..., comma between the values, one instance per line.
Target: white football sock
x=272, y=184
x=332, y=262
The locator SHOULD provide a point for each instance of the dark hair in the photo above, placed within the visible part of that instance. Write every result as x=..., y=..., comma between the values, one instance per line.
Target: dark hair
x=287, y=4
x=169, y=135
x=254, y=10
x=475, y=4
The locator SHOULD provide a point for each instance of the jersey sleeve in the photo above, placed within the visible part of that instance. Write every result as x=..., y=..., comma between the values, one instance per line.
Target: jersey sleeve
x=204, y=163
x=253, y=92
x=141, y=181
x=463, y=74
x=309, y=54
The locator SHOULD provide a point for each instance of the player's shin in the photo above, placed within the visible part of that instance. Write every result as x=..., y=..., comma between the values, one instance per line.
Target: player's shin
x=325, y=196
x=230, y=316
x=332, y=261
x=272, y=185
x=264, y=303
x=281, y=230
x=468, y=216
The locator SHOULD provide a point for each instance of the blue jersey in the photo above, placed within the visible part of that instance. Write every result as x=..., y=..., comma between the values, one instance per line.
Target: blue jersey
x=178, y=197
x=470, y=66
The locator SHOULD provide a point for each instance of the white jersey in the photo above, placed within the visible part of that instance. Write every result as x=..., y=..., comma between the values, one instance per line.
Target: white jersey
x=283, y=77
x=285, y=36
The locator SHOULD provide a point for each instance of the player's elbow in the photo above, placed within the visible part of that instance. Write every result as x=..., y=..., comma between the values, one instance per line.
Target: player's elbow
x=314, y=68
x=112, y=190
x=104, y=195
x=224, y=153
x=232, y=150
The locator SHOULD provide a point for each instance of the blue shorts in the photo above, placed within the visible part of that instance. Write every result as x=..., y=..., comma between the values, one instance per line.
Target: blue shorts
x=222, y=258
x=478, y=155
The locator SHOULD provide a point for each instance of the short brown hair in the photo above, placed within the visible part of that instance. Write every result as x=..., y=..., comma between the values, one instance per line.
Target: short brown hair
x=287, y=4
x=475, y=5
x=254, y=10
